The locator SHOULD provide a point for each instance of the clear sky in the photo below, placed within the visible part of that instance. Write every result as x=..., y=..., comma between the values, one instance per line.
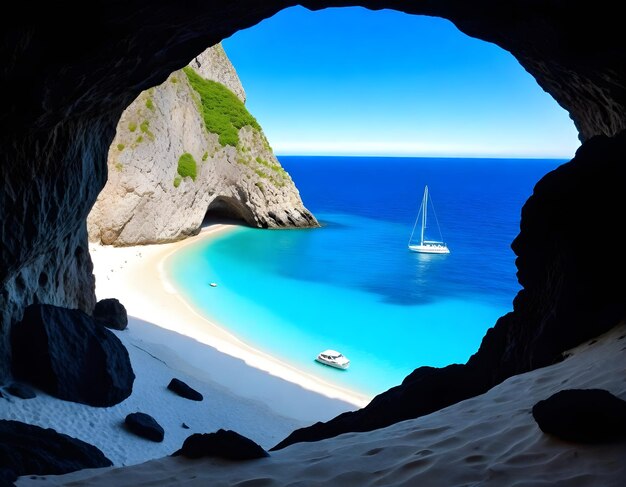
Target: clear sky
x=351, y=81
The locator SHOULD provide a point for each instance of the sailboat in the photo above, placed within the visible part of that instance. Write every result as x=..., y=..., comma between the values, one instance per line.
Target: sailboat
x=427, y=246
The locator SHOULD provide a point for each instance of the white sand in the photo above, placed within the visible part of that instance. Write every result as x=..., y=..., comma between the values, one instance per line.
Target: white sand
x=137, y=277
x=488, y=440
x=244, y=389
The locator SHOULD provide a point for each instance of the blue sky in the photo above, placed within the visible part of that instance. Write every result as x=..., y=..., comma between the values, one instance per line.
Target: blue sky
x=351, y=81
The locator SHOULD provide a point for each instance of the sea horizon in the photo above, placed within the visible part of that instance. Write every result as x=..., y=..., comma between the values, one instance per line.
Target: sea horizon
x=352, y=285
x=561, y=159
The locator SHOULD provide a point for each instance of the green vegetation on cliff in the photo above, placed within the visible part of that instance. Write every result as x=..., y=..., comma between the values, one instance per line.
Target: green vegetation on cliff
x=223, y=113
x=145, y=128
x=187, y=166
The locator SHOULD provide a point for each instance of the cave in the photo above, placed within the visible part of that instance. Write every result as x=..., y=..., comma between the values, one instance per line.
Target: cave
x=224, y=209
x=68, y=75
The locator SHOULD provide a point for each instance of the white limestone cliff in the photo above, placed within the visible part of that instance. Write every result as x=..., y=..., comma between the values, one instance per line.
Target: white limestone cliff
x=167, y=170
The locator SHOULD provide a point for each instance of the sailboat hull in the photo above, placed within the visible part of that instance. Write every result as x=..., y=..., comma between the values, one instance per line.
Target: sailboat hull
x=430, y=249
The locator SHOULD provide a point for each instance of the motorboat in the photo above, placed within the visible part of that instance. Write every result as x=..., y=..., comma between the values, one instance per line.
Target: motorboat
x=333, y=359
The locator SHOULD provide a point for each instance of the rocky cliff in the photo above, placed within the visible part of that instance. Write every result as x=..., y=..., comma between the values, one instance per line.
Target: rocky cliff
x=66, y=78
x=186, y=149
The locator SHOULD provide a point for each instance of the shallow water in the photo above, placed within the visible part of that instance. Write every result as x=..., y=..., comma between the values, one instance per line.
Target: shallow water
x=352, y=285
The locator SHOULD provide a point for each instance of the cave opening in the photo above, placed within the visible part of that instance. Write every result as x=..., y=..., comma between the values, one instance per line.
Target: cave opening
x=441, y=119
x=585, y=75
x=324, y=97
x=227, y=210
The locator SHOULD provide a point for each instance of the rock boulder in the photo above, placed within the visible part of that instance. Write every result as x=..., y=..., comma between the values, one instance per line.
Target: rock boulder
x=30, y=450
x=183, y=390
x=582, y=415
x=67, y=354
x=111, y=313
x=146, y=426
x=226, y=444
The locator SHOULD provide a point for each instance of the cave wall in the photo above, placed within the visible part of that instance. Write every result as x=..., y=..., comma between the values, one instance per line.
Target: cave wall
x=50, y=181
x=68, y=73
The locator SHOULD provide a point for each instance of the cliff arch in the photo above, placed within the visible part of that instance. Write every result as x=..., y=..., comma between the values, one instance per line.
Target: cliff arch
x=226, y=208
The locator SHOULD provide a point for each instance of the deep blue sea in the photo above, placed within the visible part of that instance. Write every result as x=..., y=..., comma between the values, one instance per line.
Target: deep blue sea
x=352, y=285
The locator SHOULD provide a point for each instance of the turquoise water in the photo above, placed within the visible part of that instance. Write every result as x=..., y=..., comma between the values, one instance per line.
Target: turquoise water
x=352, y=285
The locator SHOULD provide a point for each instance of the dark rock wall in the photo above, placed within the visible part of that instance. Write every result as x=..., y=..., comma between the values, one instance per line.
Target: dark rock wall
x=68, y=72
x=50, y=180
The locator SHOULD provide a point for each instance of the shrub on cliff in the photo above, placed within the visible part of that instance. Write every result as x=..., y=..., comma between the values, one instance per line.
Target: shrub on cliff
x=187, y=166
x=223, y=113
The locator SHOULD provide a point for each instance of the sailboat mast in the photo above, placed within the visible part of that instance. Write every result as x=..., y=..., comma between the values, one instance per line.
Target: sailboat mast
x=425, y=208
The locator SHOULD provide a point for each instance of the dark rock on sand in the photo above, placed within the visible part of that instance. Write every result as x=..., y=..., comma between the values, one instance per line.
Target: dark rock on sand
x=226, y=444
x=183, y=390
x=111, y=313
x=67, y=354
x=30, y=450
x=582, y=415
x=144, y=425
x=20, y=390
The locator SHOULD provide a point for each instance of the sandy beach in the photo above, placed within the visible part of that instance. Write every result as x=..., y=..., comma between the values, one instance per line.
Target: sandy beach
x=244, y=389
x=137, y=276
x=491, y=440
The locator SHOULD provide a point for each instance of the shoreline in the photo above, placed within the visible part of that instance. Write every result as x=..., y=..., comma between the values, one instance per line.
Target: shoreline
x=137, y=276
x=487, y=439
x=243, y=389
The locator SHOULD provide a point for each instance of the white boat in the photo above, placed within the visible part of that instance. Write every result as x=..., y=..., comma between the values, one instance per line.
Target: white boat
x=334, y=359
x=426, y=246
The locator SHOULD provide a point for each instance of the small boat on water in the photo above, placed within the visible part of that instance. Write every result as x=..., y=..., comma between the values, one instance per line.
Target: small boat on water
x=333, y=359
x=427, y=246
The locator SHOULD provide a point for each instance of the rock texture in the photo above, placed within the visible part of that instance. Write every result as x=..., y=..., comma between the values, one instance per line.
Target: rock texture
x=213, y=64
x=111, y=313
x=568, y=297
x=146, y=426
x=147, y=200
x=30, y=450
x=582, y=415
x=66, y=80
x=70, y=356
x=226, y=444
x=183, y=390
